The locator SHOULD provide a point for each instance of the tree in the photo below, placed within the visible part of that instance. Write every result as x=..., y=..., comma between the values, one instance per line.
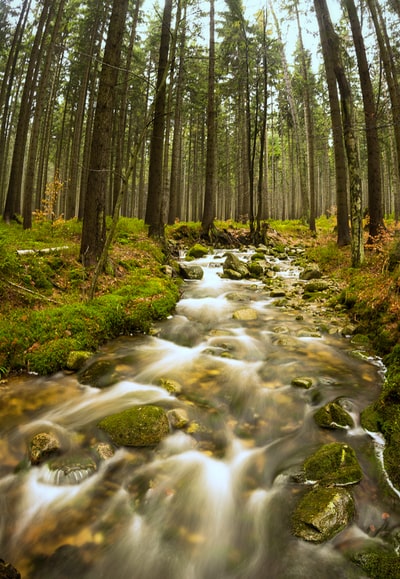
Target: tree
x=331, y=41
x=154, y=210
x=375, y=208
x=209, y=196
x=94, y=217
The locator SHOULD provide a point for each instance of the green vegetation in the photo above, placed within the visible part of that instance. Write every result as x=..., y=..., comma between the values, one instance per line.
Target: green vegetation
x=44, y=306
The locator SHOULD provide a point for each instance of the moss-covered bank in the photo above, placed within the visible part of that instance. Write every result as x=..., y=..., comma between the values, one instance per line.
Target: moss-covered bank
x=45, y=314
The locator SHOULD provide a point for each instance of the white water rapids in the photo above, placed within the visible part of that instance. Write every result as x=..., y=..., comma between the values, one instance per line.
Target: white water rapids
x=214, y=499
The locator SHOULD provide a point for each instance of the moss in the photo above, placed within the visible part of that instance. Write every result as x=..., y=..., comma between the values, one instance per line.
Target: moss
x=332, y=415
x=138, y=426
x=333, y=463
x=51, y=356
x=197, y=251
x=378, y=565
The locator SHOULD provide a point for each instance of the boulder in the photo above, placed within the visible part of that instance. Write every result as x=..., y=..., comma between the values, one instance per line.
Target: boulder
x=42, y=446
x=311, y=272
x=233, y=264
x=322, y=513
x=333, y=416
x=197, y=251
x=333, y=464
x=190, y=271
x=137, y=426
x=316, y=286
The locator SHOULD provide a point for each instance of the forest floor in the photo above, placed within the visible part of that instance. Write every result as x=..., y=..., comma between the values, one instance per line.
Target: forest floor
x=45, y=312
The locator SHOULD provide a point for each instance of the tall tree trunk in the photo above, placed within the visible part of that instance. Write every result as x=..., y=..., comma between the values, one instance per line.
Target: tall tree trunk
x=209, y=196
x=375, y=208
x=333, y=45
x=343, y=229
x=154, y=208
x=94, y=218
x=13, y=199
x=42, y=92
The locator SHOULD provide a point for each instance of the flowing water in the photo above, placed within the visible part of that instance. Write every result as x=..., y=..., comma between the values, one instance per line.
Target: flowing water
x=214, y=499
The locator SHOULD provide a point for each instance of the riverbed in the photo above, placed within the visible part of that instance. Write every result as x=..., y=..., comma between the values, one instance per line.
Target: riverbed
x=214, y=499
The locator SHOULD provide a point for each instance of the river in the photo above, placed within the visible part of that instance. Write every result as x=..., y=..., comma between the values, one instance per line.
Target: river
x=214, y=499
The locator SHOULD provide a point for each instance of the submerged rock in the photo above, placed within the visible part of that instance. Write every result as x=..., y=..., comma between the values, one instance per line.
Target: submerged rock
x=333, y=416
x=99, y=374
x=322, y=513
x=42, y=446
x=7, y=571
x=333, y=464
x=302, y=382
x=138, y=426
x=245, y=314
x=70, y=469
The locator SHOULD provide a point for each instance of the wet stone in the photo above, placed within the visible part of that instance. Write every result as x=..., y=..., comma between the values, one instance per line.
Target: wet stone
x=302, y=382
x=77, y=359
x=178, y=417
x=7, y=571
x=333, y=464
x=70, y=469
x=311, y=273
x=99, y=374
x=171, y=386
x=138, y=426
x=197, y=251
x=194, y=272
x=333, y=416
x=233, y=264
x=245, y=314
x=42, y=446
x=322, y=513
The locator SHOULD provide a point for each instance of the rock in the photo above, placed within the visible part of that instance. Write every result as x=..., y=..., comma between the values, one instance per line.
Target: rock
x=322, y=513
x=137, y=426
x=190, y=271
x=256, y=268
x=379, y=564
x=333, y=464
x=231, y=274
x=71, y=469
x=333, y=416
x=245, y=314
x=103, y=450
x=99, y=374
x=197, y=251
x=171, y=386
x=316, y=286
x=178, y=417
x=7, y=571
x=311, y=273
x=277, y=293
x=302, y=382
x=77, y=358
x=233, y=263
x=42, y=446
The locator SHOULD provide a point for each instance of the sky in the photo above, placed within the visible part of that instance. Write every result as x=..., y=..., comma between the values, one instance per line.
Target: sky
x=288, y=26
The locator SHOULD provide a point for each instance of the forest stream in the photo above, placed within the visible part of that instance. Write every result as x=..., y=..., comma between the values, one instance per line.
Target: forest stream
x=214, y=499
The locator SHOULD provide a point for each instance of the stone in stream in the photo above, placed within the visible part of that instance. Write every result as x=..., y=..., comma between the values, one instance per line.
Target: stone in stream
x=333, y=416
x=234, y=268
x=194, y=272
x=322, y=513
x=42, y=446
x=245, y=314
x=137, y=426
x=178, y=417
x=197, y=251
x=302, y=382
x=333, y=464
x=99, y=374
x=7, y=571
x=70, y=469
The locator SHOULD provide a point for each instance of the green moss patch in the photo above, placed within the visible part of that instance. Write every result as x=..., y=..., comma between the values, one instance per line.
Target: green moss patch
x=138, y=426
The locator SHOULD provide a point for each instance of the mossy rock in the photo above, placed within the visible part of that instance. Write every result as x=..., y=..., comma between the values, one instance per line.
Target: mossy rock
x=322, y=513
x=233, y=263
x=378, y=564
x=311, y=273
x=77, y=359
x=316, y=286
x=333, y=416
x=191, y=271
x=71, y=469
x=197, y=251
x=302, y=382
x=99, y=374
x=333, y=464
x=138, y=426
